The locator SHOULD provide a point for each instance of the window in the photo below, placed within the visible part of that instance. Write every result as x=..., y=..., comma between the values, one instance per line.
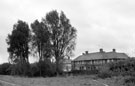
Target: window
x=108, y=60
x=84, y=68
x=82, y=62
x=90, y=62
x=81, y=68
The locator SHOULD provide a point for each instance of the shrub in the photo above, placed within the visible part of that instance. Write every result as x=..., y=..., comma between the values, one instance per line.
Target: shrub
x=46, y=68
x=129, y=81
x=104, y=71
x=104, y=75
x=76, y=72
x=4, y=69
x=21, y=69
x=34, y=70
x=125, y=67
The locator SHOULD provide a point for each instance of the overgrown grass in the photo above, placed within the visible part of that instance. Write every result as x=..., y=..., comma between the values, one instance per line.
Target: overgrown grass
x=125, y=68
x=129, y=81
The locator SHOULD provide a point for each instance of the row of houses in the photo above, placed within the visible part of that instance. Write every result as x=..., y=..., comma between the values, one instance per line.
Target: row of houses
x=92, y=61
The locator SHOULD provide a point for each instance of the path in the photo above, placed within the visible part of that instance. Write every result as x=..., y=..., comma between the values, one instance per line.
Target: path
x=5, y=83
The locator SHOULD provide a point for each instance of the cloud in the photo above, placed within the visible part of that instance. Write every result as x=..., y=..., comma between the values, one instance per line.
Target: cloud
x=99, y=23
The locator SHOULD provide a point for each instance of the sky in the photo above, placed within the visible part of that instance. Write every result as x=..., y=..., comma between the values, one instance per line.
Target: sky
x=103, y=24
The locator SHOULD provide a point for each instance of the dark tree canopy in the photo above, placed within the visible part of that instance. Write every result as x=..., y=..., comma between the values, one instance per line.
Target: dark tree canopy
x=18, y=42
x=41, y=40
x=63, y=35
x=53, y=37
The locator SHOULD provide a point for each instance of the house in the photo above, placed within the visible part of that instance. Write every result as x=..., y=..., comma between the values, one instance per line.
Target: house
x=92, y=61
x=66, y=65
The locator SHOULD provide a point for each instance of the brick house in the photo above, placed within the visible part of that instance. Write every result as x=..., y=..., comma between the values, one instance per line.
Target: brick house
x=92, y=61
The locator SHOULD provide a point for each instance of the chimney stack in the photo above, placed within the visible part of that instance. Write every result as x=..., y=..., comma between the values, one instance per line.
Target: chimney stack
x=113, y=50
x=86, y=52
x=101, y=50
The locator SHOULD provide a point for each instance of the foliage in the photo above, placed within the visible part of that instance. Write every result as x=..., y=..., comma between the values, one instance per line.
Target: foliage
x=21, y=69
x=42, y=68
x=125, y=67
x=54, y=37
x=104, y=72
x=46, y=68
x=4, y=69
x=83, y=72
x=104, y=75
x=18, y=42
x=129, y=81
x=63, y=35
x=34, y=70
x=41, y=40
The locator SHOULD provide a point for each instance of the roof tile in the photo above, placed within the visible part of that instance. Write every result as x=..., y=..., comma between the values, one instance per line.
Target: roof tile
x=99, y=55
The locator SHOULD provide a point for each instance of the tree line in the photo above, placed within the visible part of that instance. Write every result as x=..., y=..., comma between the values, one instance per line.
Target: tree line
x=52, y=37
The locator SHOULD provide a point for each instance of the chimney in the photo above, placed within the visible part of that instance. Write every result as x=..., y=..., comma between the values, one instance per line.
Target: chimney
x=86, y=52
x=101, y=50
x=113, y=50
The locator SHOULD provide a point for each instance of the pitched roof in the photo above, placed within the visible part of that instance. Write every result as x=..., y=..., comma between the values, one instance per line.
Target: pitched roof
x=101, y=55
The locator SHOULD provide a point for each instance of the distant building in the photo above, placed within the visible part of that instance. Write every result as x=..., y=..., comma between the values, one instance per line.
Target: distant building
x=67, y=65
x=92, y=61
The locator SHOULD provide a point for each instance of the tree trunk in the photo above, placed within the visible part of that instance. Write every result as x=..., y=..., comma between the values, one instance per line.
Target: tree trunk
x=57, y=67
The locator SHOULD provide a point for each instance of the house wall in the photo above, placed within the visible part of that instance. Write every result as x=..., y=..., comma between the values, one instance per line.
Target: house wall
x=91, y=64
x=67, y=67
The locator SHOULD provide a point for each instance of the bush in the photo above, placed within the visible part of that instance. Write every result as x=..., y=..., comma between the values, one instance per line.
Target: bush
x=34, y=70
x=125, y=67
x=4, y=69
x=43, y=68
x=76, y=72
x=21, y=69
x=130, y=81
x=104, y=75
x=104, y=72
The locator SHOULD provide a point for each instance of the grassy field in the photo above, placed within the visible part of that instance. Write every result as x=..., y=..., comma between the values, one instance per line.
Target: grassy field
x=59, y=81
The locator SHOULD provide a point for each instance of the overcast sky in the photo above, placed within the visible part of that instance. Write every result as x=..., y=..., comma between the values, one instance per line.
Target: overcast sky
x=103, y=24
